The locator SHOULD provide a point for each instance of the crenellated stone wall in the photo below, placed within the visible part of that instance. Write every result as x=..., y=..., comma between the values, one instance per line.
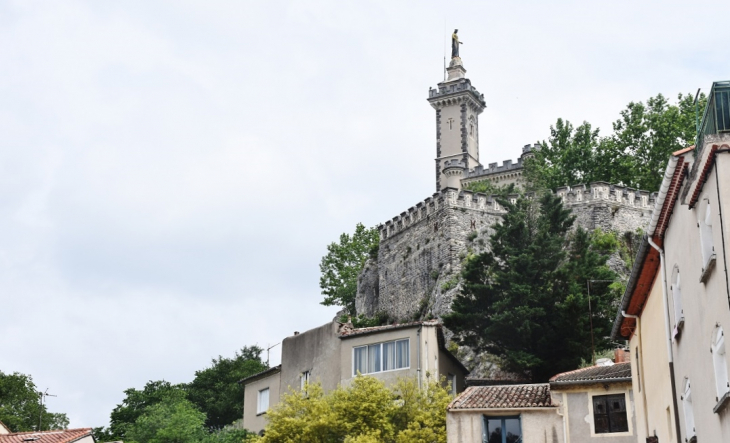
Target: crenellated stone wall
x=421, y=250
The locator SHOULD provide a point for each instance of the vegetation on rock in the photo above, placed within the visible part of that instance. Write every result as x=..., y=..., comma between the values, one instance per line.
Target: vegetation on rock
x=525, y=301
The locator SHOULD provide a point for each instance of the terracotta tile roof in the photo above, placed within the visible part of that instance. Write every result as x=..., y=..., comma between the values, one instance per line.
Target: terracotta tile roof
x=348, y=331
x=504, y=397
x=60, y=436
x=619, y=372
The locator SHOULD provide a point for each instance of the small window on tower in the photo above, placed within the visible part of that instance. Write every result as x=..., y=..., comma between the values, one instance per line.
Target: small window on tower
x=471, y=130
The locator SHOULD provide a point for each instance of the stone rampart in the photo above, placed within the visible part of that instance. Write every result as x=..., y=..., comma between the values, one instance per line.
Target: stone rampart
x=421, y=250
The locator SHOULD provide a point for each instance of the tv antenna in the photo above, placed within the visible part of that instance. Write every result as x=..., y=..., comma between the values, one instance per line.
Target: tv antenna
x=42, y=395
x=267, y=352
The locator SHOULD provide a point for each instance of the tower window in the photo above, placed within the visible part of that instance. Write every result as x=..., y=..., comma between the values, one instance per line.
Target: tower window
x=450, y=122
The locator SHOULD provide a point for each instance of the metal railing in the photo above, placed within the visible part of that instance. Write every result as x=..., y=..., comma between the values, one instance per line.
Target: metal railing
x=716, y=118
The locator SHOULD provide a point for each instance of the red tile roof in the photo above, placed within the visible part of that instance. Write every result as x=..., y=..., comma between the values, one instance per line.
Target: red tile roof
x=504, y=397
x=619, y=372
x=60, y=436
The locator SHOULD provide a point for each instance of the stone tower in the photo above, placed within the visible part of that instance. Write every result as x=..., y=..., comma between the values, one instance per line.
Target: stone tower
x=458, y=105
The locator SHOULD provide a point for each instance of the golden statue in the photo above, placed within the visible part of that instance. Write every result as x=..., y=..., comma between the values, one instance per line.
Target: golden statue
x=455, y=44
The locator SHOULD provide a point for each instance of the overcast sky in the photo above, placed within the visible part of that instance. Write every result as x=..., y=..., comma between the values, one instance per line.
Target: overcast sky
x=171, y=172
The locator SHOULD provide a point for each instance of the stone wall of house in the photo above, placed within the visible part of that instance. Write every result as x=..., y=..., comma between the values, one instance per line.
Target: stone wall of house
x=421, y=250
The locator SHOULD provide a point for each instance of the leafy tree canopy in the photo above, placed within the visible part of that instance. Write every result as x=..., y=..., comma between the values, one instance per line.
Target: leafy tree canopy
x=526, y=300
x=20, y=408
x=172, y=420
x=215, y=390
x=342, y=265
x=634, y=155
x=364, y=412
x=136, y=403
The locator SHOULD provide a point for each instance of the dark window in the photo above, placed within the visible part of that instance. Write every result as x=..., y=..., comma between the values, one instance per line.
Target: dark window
x=609, y=413
x=502, y=430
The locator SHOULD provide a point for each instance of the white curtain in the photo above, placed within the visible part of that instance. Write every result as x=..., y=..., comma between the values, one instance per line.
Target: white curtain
x=374, y=358
x=402, y=354
x=389, y=359
x=361, y=358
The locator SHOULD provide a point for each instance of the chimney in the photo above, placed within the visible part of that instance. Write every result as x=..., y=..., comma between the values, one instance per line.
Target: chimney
x=621, y=355
x=296, y=332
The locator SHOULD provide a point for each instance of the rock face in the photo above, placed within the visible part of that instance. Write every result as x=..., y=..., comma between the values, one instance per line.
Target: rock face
x=421, y=251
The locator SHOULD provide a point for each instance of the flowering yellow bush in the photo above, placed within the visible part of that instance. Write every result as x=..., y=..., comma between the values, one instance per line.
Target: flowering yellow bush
x=366, y=411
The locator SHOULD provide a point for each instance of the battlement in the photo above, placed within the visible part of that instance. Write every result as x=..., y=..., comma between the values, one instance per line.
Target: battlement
x=572, y=196
x=507, y=165
x=450, y=88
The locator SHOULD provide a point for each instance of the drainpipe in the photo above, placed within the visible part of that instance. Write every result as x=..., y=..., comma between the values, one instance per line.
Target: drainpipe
x=670, y=354
x=641, y=367
x=564, y=415
x=418, y=370
x=722, y=227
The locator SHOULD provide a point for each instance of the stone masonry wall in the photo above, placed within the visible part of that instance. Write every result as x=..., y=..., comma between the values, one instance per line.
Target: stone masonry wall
x=421, y=251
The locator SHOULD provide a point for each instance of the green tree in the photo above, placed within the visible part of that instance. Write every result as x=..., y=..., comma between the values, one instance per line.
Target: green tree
x=342, y=265
x=365, y=411
x=215, y=389
x=172, y=420
x=525, y=301
x=20, y=408
x=136, y=403
x=634, y=155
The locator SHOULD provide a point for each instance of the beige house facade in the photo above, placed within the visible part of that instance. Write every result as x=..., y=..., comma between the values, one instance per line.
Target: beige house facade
x=677, y=305
x=334, y=353
x=589, y=404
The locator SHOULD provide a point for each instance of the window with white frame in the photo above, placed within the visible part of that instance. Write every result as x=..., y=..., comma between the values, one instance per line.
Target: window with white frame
x=677, y=297
x=708, y=246
x=689, y=416
x=387, y=356
x=263, y=401
x=719, y=362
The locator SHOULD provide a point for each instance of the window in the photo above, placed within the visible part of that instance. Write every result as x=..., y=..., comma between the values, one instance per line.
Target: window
x=609, y=413
x=263, y=403
x=689, y=416
x=719, y=363
x=451, y=383
x=501, y=430
x=387, y=356
x=677, y=297
x=304, y=381
x=708, y=247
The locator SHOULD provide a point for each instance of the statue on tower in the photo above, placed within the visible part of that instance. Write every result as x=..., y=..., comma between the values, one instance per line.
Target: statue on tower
x=455, y=44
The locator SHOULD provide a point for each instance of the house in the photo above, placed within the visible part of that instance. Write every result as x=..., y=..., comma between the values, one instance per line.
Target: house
x=334, y=353
x=81, y=435
x=597, y=403
x=677, y=302
x=4, y=429
x=589, y=404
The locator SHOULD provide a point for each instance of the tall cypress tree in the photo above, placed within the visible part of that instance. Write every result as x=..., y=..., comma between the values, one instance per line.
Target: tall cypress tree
x=525, y=301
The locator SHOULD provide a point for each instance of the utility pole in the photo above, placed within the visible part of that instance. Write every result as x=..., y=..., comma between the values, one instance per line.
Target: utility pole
x=40, y=410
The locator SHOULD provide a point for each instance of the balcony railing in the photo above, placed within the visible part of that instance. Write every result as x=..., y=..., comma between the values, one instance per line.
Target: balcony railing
x=716, y=118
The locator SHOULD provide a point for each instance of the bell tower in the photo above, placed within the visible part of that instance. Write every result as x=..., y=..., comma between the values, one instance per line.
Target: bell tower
x=458, y=105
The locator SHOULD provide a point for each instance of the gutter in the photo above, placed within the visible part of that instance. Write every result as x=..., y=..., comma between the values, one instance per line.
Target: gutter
x=630, y=286
x=418, y=370
x=540, y=408
x=663, y=189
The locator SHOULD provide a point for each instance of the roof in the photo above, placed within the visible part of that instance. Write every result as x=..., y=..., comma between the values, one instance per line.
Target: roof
x=619, y=372
x=504, y=397
x=60, y=436
x=347, y=332
x=259, y=376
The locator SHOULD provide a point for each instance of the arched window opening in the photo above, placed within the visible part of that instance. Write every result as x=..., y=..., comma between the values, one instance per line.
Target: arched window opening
x=689, y=416
x=719, y=362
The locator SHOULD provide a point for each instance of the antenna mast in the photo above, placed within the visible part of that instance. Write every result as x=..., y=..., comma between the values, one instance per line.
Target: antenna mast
x=40, y=410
